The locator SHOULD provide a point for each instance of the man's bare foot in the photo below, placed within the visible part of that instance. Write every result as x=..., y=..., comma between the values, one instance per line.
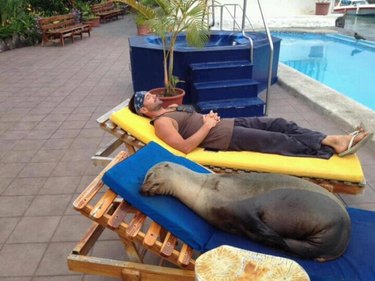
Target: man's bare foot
x=341, y=143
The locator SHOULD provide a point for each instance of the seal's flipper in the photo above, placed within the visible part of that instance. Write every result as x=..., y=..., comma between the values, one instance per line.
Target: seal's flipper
x=246, y=221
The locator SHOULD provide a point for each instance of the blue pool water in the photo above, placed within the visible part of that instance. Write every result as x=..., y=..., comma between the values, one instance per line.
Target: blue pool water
x=338, y=61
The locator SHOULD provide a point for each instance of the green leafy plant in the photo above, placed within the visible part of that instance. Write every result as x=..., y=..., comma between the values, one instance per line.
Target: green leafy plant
x=16, y=19
x=85, y=9
x=168, y=20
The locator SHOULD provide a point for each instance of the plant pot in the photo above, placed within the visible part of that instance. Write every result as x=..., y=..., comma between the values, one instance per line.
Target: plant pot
x=94, y=22
x=143, y=29
x=322, y=8
x=167, y=101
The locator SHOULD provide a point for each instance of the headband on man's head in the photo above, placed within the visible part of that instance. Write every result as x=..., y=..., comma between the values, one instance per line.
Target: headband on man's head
x=139, y=98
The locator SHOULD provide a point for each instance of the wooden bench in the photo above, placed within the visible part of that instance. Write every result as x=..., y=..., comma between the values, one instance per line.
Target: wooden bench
x=107, y=11
x=61, y=27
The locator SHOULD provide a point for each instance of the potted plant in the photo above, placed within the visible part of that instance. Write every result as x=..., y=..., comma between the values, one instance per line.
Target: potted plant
x=168, y=20
x=88, y=16
x=322, y=7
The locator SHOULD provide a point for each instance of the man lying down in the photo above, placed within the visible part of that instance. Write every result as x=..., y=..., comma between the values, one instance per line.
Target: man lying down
x=185, y=130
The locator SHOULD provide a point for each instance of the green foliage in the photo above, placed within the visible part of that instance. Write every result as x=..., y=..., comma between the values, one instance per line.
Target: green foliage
x=16, y=18
x=10, y=9
x=85, y=8
x=50, y=7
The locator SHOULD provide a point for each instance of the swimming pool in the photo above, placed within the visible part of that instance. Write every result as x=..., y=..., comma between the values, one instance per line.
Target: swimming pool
x=338, y=61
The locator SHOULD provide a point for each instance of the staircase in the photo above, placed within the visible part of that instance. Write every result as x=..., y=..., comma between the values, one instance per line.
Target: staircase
x=225, y=87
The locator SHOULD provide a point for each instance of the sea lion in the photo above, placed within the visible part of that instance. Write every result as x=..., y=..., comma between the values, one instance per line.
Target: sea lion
x=278, y=210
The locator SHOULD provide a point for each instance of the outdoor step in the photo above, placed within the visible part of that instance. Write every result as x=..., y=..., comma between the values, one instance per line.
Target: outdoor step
x=225, y=89
x=215, y=71
x=233, y=107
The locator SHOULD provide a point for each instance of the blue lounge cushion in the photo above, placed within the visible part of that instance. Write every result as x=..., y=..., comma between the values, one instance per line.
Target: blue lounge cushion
x=126, y=178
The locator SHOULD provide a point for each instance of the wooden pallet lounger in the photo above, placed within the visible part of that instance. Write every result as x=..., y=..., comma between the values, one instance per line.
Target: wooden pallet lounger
x=337, y=174
x=177, y=235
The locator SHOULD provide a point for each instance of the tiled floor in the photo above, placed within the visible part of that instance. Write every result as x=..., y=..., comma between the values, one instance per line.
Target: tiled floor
x=50, y=98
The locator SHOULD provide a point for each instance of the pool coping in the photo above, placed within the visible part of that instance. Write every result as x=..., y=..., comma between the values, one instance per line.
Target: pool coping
x=331, y=103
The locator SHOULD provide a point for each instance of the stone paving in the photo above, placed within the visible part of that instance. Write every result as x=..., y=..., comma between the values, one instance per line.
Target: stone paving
x=50, y=98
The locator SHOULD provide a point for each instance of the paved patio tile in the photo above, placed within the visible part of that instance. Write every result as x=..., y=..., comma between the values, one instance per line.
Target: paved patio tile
x=42, y=110
x=25, y=186
x=15, y=135
x=80, y=154
x=60, y=185
x=59, y=278
x=90, y=144
x=48, y=155
x=40, y=134
x=71, y=168
x=10, y=169
x=79, y=116
x=15, y=278
x=25, y=125
x=54, y=260
x=58, y=143
x=34, y=229
x=37, y=170
x=71, y=228
x=4, y=183
x=28, y=144
x=42, y=125
x=91, y=133
x=34, y=117
x=73, y=124
x=18, y=156
x=48, y=205
x=65, y=133
x=13, y=206
x=98, y=278
x=7, y=227
x=20, y=259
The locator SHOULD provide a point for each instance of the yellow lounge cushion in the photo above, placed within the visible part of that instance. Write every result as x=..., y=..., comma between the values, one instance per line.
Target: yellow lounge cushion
x=336, y=168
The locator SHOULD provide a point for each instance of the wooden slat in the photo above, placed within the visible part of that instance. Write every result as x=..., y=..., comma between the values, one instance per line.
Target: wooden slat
x=152, y=234
x=185, y=255
x=84, y=198
x=136, y=224
x=169, y=244
x=103, y=204
x=118, y=215
x=88, y=241
x=114, y=268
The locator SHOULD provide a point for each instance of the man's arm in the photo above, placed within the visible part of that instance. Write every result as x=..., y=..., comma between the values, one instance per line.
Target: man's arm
x=166, y=131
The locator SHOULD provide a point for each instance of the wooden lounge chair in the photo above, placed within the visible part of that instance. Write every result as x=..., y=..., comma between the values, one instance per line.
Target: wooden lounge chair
x=177, y=235
x=341, y=175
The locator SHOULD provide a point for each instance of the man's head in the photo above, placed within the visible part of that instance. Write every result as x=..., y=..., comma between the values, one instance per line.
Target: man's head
x=144, y=103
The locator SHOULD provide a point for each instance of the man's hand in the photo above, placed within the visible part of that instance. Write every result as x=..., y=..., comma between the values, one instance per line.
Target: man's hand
x=211, y=119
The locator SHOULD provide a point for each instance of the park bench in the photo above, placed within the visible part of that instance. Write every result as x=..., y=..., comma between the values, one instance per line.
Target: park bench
x=61, y=27
x=107, y=11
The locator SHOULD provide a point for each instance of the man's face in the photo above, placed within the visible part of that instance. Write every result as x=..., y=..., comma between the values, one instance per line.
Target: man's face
x=151, y=103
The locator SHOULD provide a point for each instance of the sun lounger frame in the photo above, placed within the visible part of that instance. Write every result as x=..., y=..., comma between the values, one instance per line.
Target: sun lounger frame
x=111, y=211
x=133, y=144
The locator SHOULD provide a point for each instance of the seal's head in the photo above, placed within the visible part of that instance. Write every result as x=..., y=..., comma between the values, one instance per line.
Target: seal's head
x=162, y=179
